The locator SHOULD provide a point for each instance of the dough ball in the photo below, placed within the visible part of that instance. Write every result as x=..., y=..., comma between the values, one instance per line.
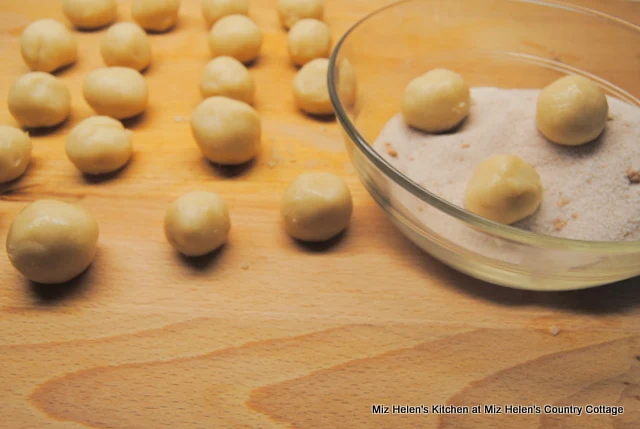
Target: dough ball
x=227, y=131
x=572, y=111
x=228, y=77
x=309, y=39
x=48, y=45
x=346, y=83
x=310, y=88
x=197, y=223
x=51, y=241
x=119, y=92
x=38, y=99
x=292, y=11
x=436, y=101
x=235, y=36
x=126, y=45
x=99, y=145
x=90, y=14
x=504, y=188
x=155, y=15
x=316, y=206
x=15, y=152
x=213, y=10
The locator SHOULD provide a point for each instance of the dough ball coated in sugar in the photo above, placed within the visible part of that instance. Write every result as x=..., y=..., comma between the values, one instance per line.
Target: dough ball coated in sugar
x=437, y=101
x=47, y=45
x=309, y=39
x=213, y=10
x=99, y=145
x=292, y=11
x=504, y=188
x=310, y=88
x=38, y=99
x=15, y=152
x=119, y=92
x=228, y=131
x=316, y=207
x=155, y=15
x=197, y=223
x=52, y=241
x=90, y=14
x=126, y=45
x=572, y=111
x=227, y=77
x=235, y=36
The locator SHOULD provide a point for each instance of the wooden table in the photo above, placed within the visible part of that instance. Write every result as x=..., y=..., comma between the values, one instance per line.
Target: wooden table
x=266, y=333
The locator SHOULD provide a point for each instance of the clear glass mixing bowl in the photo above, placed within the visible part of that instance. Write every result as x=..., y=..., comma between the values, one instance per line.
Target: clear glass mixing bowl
x=500, y=43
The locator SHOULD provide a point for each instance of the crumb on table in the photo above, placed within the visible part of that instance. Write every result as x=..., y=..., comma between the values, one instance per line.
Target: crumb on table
x=559, y=224
x=391, y=151
x=554, y=330
x=244, y=266
x=574, y=215
x=466, y=146
x=633, y=175
x=563, y=202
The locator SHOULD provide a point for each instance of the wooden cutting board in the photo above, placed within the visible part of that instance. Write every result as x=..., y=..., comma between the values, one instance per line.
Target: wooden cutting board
x=266, y=333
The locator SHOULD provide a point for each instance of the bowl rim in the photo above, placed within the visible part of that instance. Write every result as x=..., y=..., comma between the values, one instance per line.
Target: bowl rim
x=504, y=231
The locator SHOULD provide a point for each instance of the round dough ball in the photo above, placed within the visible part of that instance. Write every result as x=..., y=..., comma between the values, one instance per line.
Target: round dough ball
x=51, y=241
x=90, y=14
x=572, y=111
x=310, y=88
x=228, y=77
x=291, y=11
x=155, y=15
x=15, y=152
x=197, y=223
x=227, y=131
x=47, y=45
x=309, y=39
x=38, y=99
x=316, y=206
x=346, y=83
x=437, y=101
x=504, y=188
x=119, y=92
x=126, y=45
x=236, y=36
x=213, y=10
x=99, y=145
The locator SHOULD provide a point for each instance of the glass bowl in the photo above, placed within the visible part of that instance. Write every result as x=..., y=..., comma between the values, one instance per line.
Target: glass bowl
x=499, y=43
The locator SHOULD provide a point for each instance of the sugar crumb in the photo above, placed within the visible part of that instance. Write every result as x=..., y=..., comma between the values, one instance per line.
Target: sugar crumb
x=180, y=119
x=244, y=266
x=554, y=330
x=272, y=163
x=563, y=202
x=633, y=175
x=323, y=129
x=411, y=157
x=391, y=151
x=589, y=181
x=466, y=146
x=559, y=224
x=574, y=216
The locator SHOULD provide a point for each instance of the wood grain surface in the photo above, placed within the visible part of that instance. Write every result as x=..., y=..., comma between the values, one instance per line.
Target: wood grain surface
x=267, y=333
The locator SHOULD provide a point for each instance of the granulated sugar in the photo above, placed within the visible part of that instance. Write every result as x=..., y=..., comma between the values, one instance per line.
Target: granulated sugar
x=590, y=191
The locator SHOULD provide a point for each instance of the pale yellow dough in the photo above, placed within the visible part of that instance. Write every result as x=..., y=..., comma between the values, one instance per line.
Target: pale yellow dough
x=307, y=40
x=47, y=45
x=227, y=131
x=213, y=10
x=346, y=83
x=38, y=99
x=90, y=14
x=235, y=36
x=310, y=88
x=155, y=15
x=504, y=188
x=126, y=45
x=292, y=11
x=228, y=77
x=119, y=92
x=572, y=111
x=197, y=223
x=316, y=207
x=15, y=152
x=436, y=101
x=52, y=241
x=99, y=145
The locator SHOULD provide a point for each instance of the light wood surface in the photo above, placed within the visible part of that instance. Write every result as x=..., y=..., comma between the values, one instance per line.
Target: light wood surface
x=267, y=333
